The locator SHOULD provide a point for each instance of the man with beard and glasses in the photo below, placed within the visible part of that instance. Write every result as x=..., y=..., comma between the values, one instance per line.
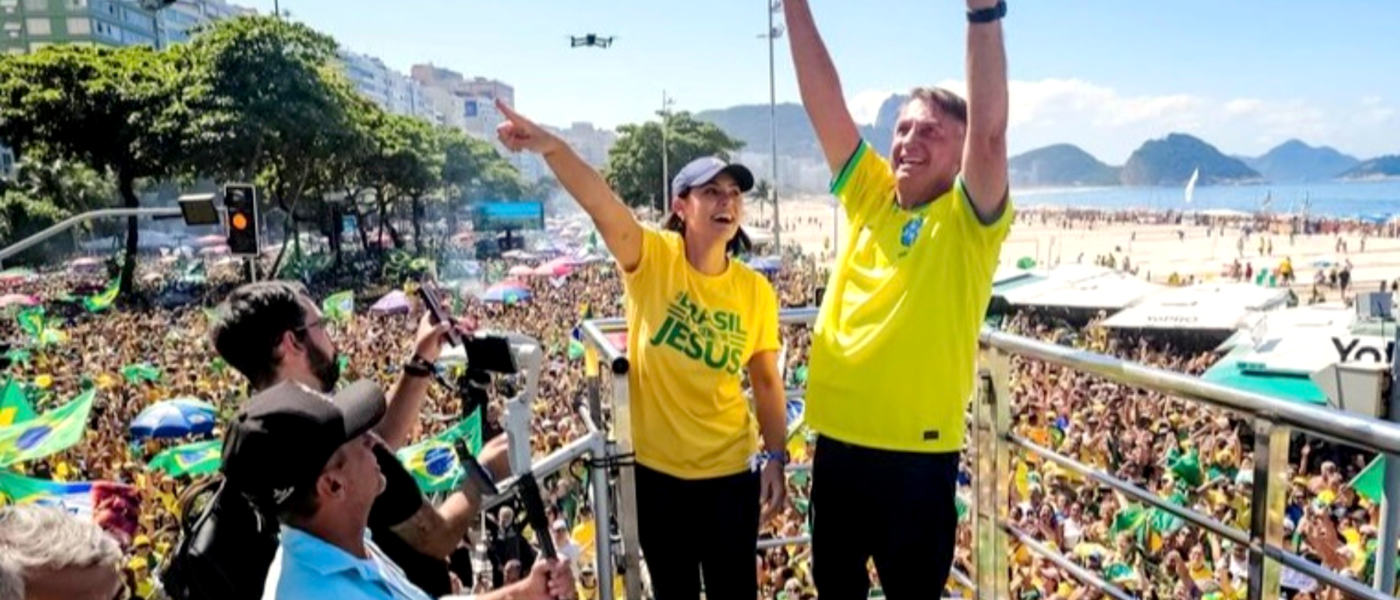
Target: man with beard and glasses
x=272, y=332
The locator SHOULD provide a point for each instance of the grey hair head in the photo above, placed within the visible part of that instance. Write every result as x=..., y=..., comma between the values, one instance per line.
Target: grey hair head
x=11, y=583
x=34, y=537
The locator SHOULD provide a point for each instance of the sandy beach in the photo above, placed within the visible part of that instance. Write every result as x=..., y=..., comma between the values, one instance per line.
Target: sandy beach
x=1157, y=250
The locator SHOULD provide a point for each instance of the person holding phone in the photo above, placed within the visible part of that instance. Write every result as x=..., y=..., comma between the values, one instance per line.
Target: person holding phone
x=697, y=319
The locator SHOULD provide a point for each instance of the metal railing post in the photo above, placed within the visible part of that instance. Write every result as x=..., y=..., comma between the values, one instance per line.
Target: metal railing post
x=602, y=518
x=626, y=484
x=1266, y=506
x=1384, y=580
x=993, y=482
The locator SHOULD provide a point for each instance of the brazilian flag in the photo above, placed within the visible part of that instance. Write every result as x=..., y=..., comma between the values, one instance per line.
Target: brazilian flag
x=14, y=407
x=339, y=306
x=433, y=462
x=31, y=321
x=139, y=372
x=104, y=300
x=49, y=433
x=199, y=458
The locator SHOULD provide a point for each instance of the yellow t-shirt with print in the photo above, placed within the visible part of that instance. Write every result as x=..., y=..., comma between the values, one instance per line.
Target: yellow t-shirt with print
x=894, y=350
x=689, y=338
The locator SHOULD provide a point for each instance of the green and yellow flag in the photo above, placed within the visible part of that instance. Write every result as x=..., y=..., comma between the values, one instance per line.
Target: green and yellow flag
x=139, y=372
x=199, y=458
x=339, y=307
x=433, y=462
x=49, y=433
x=14, y=407
x=31, y=321
x=104, y=300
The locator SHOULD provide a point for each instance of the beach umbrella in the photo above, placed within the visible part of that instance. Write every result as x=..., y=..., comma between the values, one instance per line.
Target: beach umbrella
x=174, y=418
x=86, y=263
x=1026, y=262
x=392, y=302
x=16, y=274
x=18, y=300
x=558, y=267
x=508, y=292
x=520, y=271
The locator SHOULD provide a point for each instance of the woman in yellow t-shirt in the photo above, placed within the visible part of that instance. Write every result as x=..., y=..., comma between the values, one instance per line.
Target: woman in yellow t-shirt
x=698, y=320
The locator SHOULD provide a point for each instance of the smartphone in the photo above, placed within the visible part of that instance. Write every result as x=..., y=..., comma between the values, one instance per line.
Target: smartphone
x=430, y=298
x=474, y=469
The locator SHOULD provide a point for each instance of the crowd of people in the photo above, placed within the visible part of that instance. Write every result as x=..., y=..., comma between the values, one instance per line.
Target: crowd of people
x=1189, y=454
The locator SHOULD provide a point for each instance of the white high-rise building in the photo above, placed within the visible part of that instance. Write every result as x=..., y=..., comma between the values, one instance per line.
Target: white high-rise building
x=390, y=89
x=591, y=144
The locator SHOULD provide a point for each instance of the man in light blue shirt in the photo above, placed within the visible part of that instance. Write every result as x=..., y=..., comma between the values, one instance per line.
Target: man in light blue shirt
x=309, y=458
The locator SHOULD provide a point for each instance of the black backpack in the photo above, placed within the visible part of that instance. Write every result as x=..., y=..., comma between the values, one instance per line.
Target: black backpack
x=225, y=550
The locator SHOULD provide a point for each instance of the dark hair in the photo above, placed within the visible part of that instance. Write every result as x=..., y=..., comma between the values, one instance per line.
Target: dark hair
x=739, y=244
x=250, y=323
x=948, y=102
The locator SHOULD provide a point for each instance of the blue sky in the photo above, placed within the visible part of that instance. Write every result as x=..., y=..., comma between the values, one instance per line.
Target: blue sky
x=1103, y=74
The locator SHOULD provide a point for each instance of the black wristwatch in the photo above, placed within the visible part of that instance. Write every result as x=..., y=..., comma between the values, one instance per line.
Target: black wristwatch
x=419, y=367
x=987, y=15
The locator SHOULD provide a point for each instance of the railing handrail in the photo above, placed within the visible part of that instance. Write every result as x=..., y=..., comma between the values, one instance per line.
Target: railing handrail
x=75, y=220
x=1273, y=419
x=1353, y=429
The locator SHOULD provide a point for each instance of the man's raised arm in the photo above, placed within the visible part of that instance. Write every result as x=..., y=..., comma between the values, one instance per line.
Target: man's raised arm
x=821, y=87
x=984, y=156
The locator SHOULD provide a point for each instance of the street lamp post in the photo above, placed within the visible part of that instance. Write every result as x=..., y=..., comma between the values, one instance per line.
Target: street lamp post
x=666, y=102
x=773, y=34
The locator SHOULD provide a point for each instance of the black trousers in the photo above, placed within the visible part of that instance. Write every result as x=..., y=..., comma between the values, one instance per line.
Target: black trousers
x=692, y=525
x=898, y=508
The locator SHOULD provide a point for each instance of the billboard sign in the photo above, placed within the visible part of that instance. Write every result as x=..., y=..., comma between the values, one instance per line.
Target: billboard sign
x=498, y=216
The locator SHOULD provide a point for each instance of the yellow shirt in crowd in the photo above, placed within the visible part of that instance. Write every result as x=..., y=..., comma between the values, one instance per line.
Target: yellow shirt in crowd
x=689, y=337
x=895, y=346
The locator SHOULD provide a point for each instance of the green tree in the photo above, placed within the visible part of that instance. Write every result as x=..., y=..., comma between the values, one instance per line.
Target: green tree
x=270, y=108
x=21, y=216
x=74, y=186
x=115, y=110
x=634, y=163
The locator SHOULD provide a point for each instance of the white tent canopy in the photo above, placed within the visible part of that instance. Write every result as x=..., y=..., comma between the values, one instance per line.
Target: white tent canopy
x=1059, y=278
x=1114, y=291
x=1300, y=339
x=1207, y=306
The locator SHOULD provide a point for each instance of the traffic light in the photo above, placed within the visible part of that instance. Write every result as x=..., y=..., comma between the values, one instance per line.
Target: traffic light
x=241, y=201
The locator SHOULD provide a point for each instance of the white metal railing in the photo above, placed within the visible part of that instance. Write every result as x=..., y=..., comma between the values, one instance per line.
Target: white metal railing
x=993, y=441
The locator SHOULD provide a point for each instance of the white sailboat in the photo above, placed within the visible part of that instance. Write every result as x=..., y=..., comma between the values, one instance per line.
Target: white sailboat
x=1191, y=185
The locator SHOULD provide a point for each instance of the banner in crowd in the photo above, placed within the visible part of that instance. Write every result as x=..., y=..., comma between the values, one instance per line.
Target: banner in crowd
x=51, y=432
x=199, y=458
x=14, y=407
x=75, y=497
x=433, y=462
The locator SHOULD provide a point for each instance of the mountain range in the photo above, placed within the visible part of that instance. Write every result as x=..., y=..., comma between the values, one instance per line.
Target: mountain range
x=1167, y=161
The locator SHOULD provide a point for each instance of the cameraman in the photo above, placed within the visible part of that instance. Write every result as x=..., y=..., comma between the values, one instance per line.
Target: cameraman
x=273, y=332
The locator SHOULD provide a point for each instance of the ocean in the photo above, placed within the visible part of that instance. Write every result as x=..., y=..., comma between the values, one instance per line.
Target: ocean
x=1369, y=200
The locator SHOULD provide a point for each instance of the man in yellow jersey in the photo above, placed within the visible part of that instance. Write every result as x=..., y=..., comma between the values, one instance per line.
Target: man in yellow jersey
x=894, y=348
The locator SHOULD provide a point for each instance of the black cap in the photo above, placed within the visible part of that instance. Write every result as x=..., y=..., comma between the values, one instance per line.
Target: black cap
x=283, y=438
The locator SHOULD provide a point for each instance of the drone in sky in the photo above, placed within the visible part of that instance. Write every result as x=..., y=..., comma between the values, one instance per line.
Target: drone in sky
x=591, y=40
